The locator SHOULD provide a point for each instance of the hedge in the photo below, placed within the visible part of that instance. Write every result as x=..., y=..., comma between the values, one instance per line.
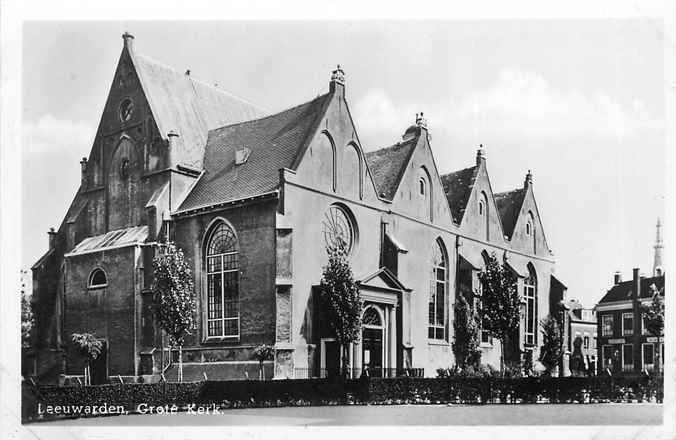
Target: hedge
x=303, y=392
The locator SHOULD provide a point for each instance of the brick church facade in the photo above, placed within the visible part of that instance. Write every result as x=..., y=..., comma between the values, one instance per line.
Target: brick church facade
x=253, y=200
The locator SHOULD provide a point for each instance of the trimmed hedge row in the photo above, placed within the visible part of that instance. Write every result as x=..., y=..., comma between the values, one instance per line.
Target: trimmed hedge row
x=303, y=392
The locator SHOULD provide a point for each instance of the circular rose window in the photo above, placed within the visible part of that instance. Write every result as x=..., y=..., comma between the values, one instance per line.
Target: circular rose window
x=337, y=228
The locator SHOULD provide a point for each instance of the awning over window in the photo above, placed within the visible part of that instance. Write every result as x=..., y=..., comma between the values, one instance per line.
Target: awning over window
x=111, y=240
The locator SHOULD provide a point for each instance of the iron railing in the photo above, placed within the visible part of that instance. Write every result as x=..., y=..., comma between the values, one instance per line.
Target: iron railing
x=355, y=373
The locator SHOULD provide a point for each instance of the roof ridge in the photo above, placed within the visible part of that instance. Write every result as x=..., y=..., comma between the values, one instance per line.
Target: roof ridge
x=197, y=80
x=398, y=144
x=458, y=171
x=504, y=193
x=249, y=121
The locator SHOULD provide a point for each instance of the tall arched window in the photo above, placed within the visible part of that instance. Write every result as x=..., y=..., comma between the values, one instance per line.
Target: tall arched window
x=483, y=213
x=478, y=302
x=425, y=193
x=437, y=304
x=222, y=264
x=530, y=292
x=530, y=230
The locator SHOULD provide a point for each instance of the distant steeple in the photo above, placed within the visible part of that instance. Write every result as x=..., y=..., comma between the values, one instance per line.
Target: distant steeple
x=658, y=269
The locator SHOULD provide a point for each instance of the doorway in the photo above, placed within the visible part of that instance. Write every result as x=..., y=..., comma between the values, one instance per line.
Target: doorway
x=373, y=332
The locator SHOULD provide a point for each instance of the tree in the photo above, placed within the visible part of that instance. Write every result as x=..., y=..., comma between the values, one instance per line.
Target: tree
x=501, y=305
x=552, y=343
x=263, y=353
x=653, y=316
x=27, y=320
x=90, y=348
x=174, y=297
x=343, y=304
x=466, y=330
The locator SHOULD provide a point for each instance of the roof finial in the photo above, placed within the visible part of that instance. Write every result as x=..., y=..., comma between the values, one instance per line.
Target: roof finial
x=187, y=72
x=528, y=181
x=128, y=40
x=337, y=83
x=420, y=120
x=480, y=155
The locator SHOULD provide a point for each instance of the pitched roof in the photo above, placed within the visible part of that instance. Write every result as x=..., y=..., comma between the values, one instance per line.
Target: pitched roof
x=189, y=106
x=509, y=205
x=387, y=166
x=458, y=187
x=274, y=143
x=113, y=239
x=624, y=290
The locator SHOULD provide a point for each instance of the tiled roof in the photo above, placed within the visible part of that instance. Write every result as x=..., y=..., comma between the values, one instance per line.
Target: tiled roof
x=112, y=239
x=624, y=290
x=458, y=187
x=189, y=106
x=274, y=143
x=387, y=166
x=509, y=205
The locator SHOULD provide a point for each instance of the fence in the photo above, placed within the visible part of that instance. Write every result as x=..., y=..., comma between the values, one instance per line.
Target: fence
x=356, y=373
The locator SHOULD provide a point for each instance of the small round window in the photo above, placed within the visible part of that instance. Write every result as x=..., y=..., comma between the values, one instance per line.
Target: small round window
x=97, y=279
x=338, y=228
x=126, y=109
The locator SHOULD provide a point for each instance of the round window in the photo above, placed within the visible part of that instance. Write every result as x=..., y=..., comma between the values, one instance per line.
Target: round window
x=338, y=228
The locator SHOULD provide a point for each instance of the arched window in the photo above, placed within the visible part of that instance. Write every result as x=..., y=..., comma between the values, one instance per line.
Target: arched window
x=222, y=265
x=530, y=230
x=437, y=303
x=371, y=318
x=425, y=191
x=530, y=292
x=352, y=174
x=478, y=303
x=421, y=186
x=483, y=212
x=97, y=279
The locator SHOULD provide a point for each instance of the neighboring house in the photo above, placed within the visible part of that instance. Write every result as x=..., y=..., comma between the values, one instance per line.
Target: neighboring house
x=580, y=337
x=254, y=201
x=624, y=345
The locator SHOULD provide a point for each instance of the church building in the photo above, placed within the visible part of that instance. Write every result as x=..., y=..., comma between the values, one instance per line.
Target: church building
x=253, y=200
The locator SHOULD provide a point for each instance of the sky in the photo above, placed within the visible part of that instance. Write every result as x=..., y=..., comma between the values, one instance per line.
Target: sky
x=579, y=102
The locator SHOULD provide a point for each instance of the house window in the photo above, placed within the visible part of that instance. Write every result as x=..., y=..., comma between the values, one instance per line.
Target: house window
x=607, y=356
x=648, y=356
x=437, y=303
x=607, y=325
x=585, y=343
x=627, y=324
x=627, y=357
x=644, y=327
x=97, y=279
x=530, y=297
x=222, y=264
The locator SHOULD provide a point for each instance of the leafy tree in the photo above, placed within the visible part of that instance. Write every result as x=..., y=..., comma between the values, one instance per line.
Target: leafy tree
x=552, y=343
x=342, y=301
x=466, y=330
x=174, y=297
x=263, y=353
x=27, y=319
x=501, y=308
x=653, y=315
x=90, y=348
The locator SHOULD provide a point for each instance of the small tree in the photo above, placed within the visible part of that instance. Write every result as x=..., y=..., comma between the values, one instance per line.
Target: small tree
x=342, y=301
x=90, y=348
x=27, y=319
x=174, y=298
x=552, y=343
x=653, y=315
x=466, y=330
x=263, y=353
x=501, y=305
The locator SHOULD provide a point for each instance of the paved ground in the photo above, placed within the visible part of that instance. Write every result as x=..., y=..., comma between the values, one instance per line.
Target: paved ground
x=429, y=415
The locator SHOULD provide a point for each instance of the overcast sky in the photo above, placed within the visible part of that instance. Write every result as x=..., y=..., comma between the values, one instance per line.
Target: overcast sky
x=579, y=102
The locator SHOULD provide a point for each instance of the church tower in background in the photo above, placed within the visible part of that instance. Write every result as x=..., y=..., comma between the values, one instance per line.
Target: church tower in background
x=658, y=269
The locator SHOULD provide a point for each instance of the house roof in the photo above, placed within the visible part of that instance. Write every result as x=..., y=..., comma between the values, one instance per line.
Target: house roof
x=624, y=290
x=191, y=107
x=509, y=205
x=274, y=142
x=387, y=166
x=458, y=187
x=113, y=239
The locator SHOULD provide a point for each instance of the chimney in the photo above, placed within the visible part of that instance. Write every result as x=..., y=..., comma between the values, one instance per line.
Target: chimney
x=337, y=83
x=618, y=277
x=52, y=238
x=83, y=169
x=480, y=155
x=172, y=136
x=528, y=181
x=636, y=283
x=128, y=41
